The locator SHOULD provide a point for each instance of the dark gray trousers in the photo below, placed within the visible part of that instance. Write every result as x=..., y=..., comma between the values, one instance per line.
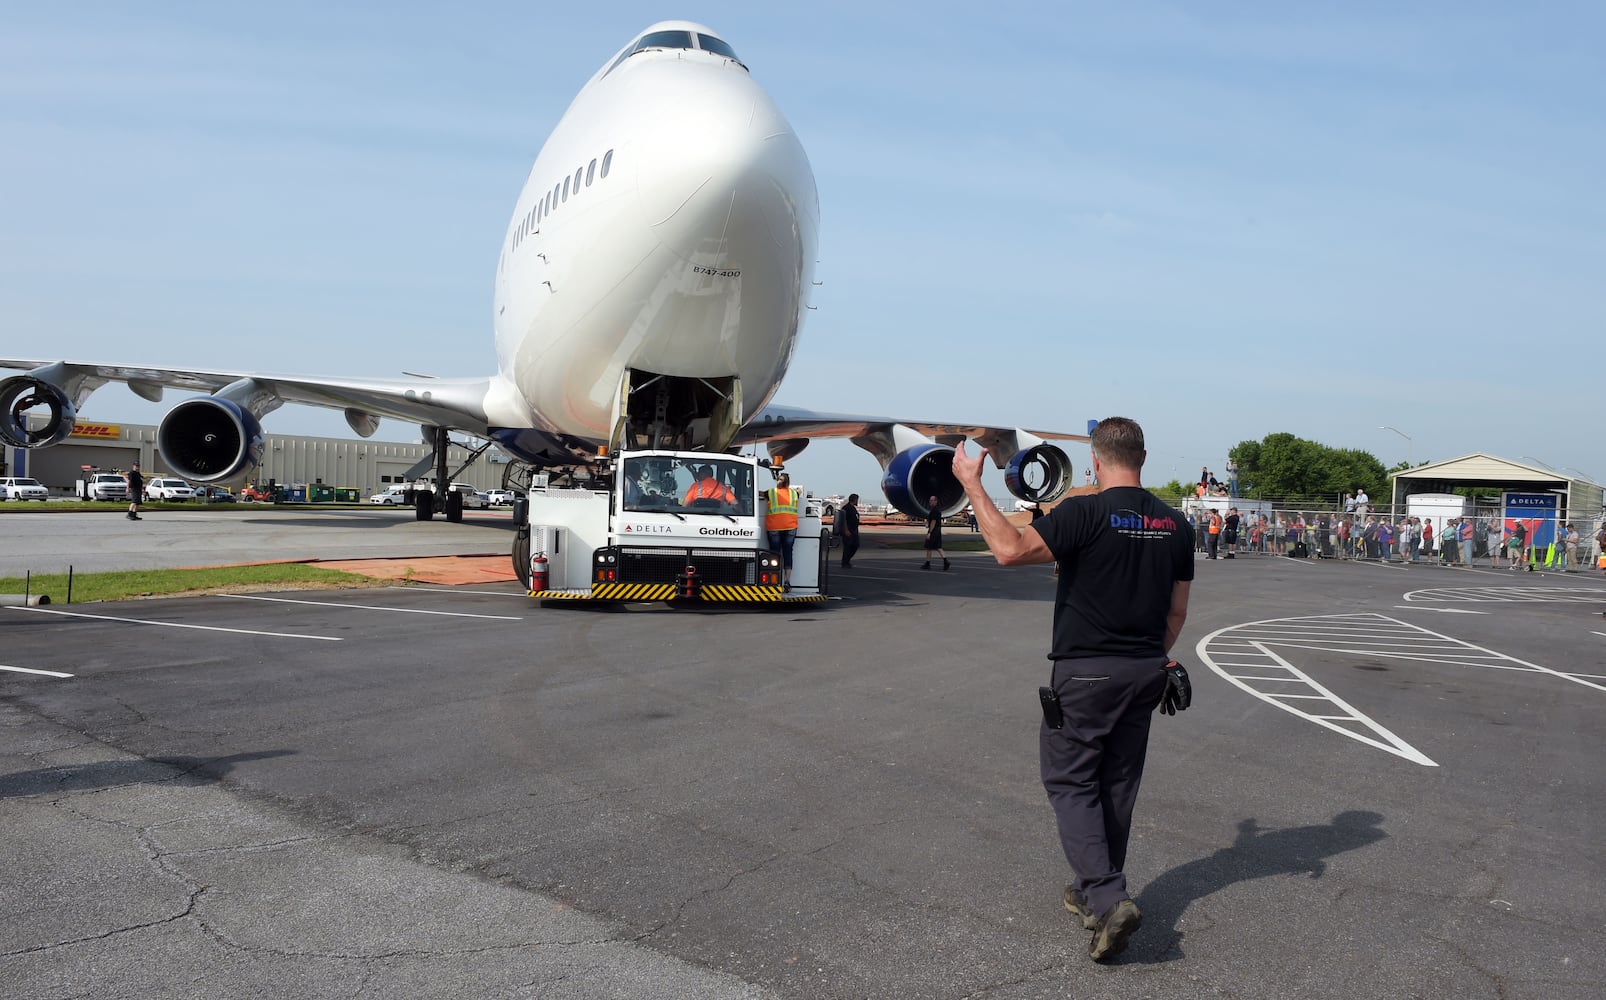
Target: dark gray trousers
x=1093, y=765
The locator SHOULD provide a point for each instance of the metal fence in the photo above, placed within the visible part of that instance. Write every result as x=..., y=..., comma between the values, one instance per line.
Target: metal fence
x=1396, y=532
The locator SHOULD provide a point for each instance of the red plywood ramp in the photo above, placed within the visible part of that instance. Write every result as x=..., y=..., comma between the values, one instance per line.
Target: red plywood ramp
x=448, y=571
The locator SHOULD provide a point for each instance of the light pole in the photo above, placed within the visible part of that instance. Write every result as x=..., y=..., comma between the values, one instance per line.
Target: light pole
x=1410, y=457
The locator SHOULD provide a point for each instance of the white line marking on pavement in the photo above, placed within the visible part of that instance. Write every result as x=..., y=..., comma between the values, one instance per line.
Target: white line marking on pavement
x=1387, y=741
x=1447, y=611
x=1486, y=595
x=1382, y=565
x=1255, y=672
x=369, y=607
x=30, y=670
x=203, y=628
x=453, y=590
x=1513, y=659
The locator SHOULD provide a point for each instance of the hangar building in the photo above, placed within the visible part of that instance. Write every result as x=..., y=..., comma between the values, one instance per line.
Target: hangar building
x=367, y=466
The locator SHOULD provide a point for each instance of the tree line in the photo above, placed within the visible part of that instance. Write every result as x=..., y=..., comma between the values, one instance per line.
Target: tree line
x=1293, y=469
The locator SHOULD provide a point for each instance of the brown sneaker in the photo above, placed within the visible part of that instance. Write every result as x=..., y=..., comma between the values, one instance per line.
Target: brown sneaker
x=1109, y=937
x=1078, y=906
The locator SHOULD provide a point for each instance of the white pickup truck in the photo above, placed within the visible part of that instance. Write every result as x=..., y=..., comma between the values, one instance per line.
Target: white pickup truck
x=103, y=486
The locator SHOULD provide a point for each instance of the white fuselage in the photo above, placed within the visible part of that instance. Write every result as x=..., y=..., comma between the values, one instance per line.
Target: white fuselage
x=670, y=225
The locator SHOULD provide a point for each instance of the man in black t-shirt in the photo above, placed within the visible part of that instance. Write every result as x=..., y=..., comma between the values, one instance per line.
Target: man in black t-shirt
x=1125, y=566
x=934, y=535
x=846, y=527
x=136, y=491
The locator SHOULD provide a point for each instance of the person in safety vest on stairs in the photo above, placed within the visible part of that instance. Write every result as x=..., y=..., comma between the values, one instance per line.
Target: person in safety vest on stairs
x=781, y=524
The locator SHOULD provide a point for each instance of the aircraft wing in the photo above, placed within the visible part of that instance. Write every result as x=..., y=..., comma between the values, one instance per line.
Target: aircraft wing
x=787, y=429
x=456, y=403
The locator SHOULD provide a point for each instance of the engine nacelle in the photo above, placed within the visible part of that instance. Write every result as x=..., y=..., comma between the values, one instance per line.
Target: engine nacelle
x=23, y=396
x=1039, y=474
x=917, y=474
x=209, y=439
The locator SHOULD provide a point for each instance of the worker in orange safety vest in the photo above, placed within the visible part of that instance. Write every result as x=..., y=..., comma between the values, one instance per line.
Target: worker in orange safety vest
x=707, y=487
x=781, y=524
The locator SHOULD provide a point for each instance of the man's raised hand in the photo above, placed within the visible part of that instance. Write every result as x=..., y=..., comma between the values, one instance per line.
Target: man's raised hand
x=966, y=469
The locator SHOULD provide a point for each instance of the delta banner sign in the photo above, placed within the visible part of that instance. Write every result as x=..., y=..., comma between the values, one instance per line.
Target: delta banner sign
x=1537, y=511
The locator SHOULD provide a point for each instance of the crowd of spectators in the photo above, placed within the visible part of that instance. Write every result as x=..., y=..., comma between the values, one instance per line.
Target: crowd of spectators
x=1362, y=534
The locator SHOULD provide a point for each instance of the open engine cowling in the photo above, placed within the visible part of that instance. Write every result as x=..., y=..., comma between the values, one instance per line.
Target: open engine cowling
x=1039, y=474
x=23, y=396
x=917, y=474
x=209, y=439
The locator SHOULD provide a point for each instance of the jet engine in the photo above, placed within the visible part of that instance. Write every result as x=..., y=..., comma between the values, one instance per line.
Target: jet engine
x=23, y=396
x=210, y=439
x=917, y=474
x=1039, y=474
x=916, y=468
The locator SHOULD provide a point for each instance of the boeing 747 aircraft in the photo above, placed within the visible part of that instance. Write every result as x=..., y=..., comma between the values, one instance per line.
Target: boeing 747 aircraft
x=649, y=292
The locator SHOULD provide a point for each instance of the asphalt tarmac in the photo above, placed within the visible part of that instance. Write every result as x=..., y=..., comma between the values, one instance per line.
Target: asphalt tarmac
x=1388, y=786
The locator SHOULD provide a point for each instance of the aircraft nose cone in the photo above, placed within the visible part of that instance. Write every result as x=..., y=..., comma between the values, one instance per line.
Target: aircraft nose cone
x=730, y=181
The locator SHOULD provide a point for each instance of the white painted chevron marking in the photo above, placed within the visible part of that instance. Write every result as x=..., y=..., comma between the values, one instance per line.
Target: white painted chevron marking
x=1346, y=713
x=1248, y=661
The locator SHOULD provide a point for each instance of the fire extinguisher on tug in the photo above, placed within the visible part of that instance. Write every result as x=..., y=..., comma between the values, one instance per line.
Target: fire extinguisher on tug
x=538, y=572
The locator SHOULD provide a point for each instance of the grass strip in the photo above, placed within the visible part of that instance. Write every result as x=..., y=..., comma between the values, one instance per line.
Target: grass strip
x=117, y=506
x=125, y=584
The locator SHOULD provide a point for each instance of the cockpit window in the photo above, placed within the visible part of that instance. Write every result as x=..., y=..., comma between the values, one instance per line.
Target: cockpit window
x=708, y=43
x=676, y=39
x=664, y=40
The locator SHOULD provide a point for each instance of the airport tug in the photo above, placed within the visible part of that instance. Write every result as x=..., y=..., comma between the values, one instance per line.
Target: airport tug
x=678, y=526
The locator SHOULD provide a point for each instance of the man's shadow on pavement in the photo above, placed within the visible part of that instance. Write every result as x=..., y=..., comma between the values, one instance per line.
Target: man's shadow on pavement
x=1256, y=853
x=182, y=771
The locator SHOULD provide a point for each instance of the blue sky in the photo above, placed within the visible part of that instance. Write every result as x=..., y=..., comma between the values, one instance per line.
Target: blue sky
x=1223, y=220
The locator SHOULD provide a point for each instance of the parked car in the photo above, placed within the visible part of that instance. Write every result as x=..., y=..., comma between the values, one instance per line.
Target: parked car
x=213, y=494
x=103, y=486
x=22, y=488
x=500, y=498
x=473, y=497
x=391, y=496
x=168, y=488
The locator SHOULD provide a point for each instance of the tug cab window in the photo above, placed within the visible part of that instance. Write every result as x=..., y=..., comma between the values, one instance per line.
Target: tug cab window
x=703, y=486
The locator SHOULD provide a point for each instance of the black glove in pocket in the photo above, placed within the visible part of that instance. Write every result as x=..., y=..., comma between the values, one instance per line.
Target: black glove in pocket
x=1178, y=691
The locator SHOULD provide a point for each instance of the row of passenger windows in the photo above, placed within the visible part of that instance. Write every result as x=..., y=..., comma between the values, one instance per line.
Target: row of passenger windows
x=583, y=177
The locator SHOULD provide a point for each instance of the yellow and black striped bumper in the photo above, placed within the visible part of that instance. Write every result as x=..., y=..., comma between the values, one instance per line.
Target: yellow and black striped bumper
x=726, y=593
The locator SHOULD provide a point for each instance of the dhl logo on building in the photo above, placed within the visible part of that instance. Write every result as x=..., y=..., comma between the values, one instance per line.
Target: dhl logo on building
x=112, y=431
